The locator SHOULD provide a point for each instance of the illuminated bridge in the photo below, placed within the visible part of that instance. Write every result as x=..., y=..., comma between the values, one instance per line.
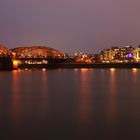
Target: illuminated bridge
x=36, y=55
x=5, y=58
x=40, y=52
x=4, y=52
x=32, y=55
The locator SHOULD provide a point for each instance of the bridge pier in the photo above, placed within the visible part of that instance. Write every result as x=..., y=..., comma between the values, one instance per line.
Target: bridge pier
x=6, y=63
x=15, y=64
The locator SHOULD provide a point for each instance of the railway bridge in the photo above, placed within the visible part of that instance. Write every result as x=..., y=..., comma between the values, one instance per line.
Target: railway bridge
x=31, y=55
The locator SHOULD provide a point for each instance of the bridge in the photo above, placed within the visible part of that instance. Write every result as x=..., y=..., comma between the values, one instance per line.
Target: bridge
x=30, y=55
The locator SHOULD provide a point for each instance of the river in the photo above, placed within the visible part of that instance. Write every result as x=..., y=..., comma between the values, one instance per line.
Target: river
x=70, y=104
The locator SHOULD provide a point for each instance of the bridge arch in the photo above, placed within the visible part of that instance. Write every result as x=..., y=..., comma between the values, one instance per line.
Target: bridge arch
x=4, y=52
x=37, y=52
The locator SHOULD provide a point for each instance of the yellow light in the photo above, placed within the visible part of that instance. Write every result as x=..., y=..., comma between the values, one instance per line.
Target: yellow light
x=134, y=70
x=43, y=69
x=84, y=69
x=112, y=69
x=15, y=64
x=75, y=69
x=15, y=71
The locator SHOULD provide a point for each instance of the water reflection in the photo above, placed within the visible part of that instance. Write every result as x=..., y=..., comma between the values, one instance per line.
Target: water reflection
x=84, y=97
x=85, y=102
x=112, y=81
x=44, y=77
x=43, y=69
x=15, y=96
x=44, y=94
x=135, y=72
x=76, y=69
x=112, y=69
x=29, y=94
x=84, y=70
x=112, y=100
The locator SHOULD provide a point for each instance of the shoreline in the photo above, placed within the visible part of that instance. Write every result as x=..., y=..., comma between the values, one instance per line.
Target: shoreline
x=80, y=65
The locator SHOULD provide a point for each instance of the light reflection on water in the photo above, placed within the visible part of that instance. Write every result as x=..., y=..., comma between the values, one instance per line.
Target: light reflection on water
x=112, y=102
x=81, y=103
x=15, y=96
x=84, y=97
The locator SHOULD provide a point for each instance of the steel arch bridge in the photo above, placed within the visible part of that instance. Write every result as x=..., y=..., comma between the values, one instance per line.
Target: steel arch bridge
x=4, y=52
x=37, y=52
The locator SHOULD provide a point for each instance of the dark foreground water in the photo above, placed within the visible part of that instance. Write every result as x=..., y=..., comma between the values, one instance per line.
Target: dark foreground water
x=70, y=104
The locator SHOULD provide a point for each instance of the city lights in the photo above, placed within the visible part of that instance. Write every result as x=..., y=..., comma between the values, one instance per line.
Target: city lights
x=34, y=56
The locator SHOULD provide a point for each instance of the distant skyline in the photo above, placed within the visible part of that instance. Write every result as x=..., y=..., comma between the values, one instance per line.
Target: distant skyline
x=70, y=25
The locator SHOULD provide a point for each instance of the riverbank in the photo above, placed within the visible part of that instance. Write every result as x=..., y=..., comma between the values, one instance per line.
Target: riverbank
x=80, y=65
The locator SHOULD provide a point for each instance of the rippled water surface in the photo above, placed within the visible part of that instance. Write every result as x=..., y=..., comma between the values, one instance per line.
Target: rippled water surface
x=70, y=104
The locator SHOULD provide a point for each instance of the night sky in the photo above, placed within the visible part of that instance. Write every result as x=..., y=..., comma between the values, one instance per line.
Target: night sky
x=70, y=25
